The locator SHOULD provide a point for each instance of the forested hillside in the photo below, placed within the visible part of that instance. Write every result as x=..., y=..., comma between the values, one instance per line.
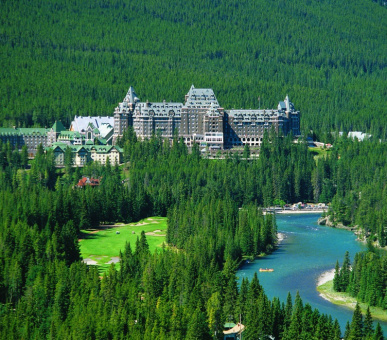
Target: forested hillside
x=359, y=174
x=63, y=58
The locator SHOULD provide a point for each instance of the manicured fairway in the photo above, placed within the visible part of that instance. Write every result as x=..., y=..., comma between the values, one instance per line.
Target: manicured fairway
x=101, y=246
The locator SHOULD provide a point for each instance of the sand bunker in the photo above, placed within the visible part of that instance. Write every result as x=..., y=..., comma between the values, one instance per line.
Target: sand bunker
x=90, y=262
x=115, y=259
x=154, y=233
x=142, y=223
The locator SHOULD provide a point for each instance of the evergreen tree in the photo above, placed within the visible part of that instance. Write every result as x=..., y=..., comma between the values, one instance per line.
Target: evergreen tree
x=288, y=311
x=24, y=156
x=197, y=328
x=336, y=278
x=347, y=332
x=378, y=334
x=68, y=160
x=345, y=273
x=357, y=331
x=246, y=151
x=368, y=325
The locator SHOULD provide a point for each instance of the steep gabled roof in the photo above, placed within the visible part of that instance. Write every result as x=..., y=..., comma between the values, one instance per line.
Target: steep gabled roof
x=131, y=96
x=58, y=127
x=201, y=97
x=80, y=123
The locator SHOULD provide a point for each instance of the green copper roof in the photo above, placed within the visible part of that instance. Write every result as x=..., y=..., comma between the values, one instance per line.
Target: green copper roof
x=58, y=127
x=69, y=134
x=229, y=325
x=89, y=148
x=23, y=131
x=34, y=131
x=9, y=131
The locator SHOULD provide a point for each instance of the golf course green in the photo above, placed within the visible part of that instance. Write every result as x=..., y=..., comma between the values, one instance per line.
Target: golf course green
x=101, y=246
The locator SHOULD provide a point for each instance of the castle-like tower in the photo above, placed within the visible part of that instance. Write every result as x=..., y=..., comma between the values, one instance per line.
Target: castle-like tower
x=123, y=114
x=202, y=120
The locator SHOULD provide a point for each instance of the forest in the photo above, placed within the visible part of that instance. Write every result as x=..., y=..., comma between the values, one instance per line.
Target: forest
x=187, y=290
x=360, y=199
x=62, y=58
x=364, y=279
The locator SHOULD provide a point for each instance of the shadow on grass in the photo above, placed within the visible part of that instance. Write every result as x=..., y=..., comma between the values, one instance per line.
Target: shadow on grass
x=94, y=232
x=88, y=236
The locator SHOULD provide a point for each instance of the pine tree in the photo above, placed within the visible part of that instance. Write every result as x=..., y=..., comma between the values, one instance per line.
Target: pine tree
x=368, y=326
x=277, y=318
x=246, y=151
x=24, y=156
x=288, y=311
x=378, y=334
x=336, y=330
x=295, y=327
x=68, y=160
x=347, y=332
x=345, y=273
x=356, y=325
x=197, y=328
x=336, y=278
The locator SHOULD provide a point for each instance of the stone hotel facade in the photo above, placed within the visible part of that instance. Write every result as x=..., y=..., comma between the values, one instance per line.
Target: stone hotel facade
x=202, y=120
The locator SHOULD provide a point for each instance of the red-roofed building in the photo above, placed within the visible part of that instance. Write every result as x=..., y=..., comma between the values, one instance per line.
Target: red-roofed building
x=93, y=182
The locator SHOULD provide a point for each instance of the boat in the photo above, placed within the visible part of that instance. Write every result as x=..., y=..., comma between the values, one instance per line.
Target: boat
x=266, y=269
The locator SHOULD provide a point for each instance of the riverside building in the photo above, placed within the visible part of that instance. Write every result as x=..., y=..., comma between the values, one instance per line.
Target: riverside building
x=202, y=120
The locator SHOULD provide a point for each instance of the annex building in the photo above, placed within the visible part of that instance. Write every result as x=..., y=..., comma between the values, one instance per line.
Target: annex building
x=89, y=139
x=202, y=120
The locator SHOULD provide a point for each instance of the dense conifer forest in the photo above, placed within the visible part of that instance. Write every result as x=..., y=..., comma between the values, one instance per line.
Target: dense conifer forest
x=365, y=278
x=186, y=290
x=63, y=58
x=360, y=174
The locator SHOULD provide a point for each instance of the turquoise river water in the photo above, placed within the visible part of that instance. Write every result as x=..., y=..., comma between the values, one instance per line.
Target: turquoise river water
x=307, y=251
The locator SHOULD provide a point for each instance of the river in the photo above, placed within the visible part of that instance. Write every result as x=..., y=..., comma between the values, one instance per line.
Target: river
x=306, y=252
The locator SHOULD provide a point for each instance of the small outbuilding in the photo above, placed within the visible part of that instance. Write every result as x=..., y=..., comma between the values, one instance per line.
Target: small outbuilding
x=234, y=333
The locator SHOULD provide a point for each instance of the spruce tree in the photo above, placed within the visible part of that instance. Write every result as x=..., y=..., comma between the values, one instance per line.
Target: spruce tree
x=197, y=328
x=368, y=326
x=356, y=324
x=336, y=278
x=294, y=329
x=288, y=311
x=378, y=334
x=345, y=273
x=336, y=330
x=347, y=331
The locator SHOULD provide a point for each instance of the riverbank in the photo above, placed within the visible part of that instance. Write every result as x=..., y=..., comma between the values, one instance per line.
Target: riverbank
x=297, y=211
x=325, y=289
x=326, y=220
x=301, y=211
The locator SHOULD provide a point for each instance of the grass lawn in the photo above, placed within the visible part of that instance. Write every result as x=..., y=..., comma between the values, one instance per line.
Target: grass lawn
x=101, y=246
x=318, y=152
x=344, y=299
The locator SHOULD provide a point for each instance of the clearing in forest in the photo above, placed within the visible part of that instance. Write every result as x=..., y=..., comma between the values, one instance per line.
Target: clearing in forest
x=101, y=246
